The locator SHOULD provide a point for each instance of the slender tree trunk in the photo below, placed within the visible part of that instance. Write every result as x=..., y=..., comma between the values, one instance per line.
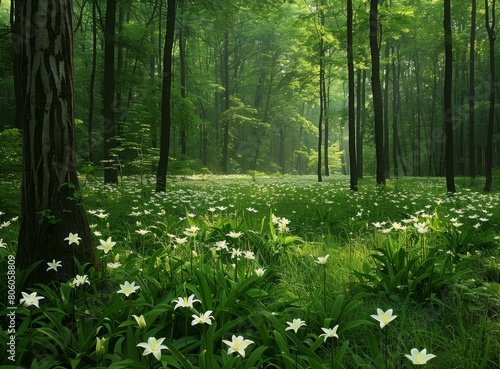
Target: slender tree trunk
x=490, y=28
x=225, y=145
x=182, y=60
x=377, y=93
x=386, y=110
x=90, y=143
x=352, y=126
x=395, y=106
x=50, y=206
x=161, y=174
x=359, y=138
x=321, y=115
x=110, y=143
x=472, y=93
x=448, y=113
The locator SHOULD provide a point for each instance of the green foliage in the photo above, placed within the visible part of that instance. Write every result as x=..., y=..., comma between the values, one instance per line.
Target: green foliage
x=10, y=153
x=248, y=249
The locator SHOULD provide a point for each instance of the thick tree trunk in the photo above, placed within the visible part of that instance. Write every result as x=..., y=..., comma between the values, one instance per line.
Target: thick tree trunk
x=161, y=174
x=50, y=209
x=488, y=160
x=110, y=143
x=352, y=126
x=448, y=113
x=377, y=93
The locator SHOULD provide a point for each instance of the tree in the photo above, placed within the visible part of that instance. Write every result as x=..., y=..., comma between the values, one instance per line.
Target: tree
x=352, y=127
x=110, y=143
x=448, y=113
x=50, y=204
x=377, y=93
x=472, y=146
x=490, y=28
x=161, y=174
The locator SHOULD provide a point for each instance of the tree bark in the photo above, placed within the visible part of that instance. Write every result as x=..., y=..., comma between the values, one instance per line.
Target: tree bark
x=182, y=60
x=448, y=113
x=50, y=207
x=472, y=93
x=161, y=174
x=225, y=144
x=488, y=160
x=110, y=143
x=377, y=93
x=90, y=143
x=352, y=126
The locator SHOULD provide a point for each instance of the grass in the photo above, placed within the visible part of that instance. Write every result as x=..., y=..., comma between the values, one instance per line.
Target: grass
x=431, y=258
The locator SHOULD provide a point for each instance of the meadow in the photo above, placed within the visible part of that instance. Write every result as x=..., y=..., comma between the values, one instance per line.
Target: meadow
x=270, y=272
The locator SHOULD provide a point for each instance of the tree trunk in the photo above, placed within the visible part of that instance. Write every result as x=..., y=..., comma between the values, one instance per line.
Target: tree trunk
x=472, y=93
x=352, y=126
x=448, y=113
x=90, y=143
x=110, y=143
x=377, y=93
x=50, y=207
x=225, y=144
x=182, y=60
x=386, y=110
x=161, y=174
x=488, y=160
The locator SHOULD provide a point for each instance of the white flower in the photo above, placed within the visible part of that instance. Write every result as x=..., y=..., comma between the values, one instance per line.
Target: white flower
x=128, y=288
x=30, y=299
x=141, y=322
x=329, y=332
x=322, y=259
x=295, y=325
x=234, y=234
x=54, y=265
x=73, y=238
x=153, y=346
x=79, y=280
x=237, y=344
x=249, y=255
x=419, y=357
x=3, y=244
x=203, y=318
x=106, y=246
x=259, y=272
x=191, y=231
x=384, y=318
x=142, y=232
x=114, y=265
x=185, y=301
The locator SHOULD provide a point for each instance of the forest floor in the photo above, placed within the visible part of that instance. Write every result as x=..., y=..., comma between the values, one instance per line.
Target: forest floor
x=284, y=272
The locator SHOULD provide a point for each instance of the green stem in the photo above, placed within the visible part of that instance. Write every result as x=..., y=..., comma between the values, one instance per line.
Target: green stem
x=386, y=350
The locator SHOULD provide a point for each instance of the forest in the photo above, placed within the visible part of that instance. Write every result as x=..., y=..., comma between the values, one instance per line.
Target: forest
x=263, y=86
x=220, y=184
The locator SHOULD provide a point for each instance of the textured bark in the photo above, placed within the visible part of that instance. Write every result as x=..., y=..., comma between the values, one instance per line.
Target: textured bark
x=50, y=209
x=472, y=148
x=110, y=166
x=377, y=93
x=225, y=144
x=448, y=113
x=488, y=160
x=161, y=174
x=352, y=126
